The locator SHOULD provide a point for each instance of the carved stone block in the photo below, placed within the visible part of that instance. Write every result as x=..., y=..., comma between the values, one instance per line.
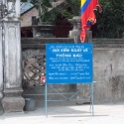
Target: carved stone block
x=12, y=100
x=12, y=55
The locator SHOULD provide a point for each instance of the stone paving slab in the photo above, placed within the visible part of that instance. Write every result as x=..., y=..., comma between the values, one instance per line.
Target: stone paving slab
x=76, y=114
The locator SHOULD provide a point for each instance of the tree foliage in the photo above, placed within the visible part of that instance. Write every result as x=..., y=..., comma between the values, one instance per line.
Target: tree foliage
x=45, y=14
x=110, y=23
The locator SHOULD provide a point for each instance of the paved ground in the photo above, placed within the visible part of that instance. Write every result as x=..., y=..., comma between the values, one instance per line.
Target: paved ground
x=76, y=114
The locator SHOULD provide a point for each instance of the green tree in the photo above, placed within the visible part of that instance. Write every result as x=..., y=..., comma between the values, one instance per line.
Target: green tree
x=74, y=6
x=110, y=23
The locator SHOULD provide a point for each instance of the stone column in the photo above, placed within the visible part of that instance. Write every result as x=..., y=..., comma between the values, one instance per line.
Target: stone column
x=4, y=2
x=17, y=6
x=12, y=100
x=1, y=62
x=1, y=69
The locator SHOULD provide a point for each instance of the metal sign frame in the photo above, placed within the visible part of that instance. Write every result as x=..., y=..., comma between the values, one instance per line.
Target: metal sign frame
x=48, y=84
x=46, y=100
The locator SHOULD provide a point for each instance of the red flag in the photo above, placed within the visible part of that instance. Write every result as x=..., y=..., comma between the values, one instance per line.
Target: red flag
x=88, y=17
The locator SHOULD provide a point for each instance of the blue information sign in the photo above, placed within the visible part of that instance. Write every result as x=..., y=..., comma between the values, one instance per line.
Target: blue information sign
x=69, y=63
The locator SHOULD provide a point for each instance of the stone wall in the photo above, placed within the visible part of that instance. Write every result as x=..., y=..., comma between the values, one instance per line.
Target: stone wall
x=108, y=69
x=109, y=74
x=33, y=61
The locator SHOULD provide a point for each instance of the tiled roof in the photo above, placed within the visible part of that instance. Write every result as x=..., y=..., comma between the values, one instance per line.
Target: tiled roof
x=25, y=6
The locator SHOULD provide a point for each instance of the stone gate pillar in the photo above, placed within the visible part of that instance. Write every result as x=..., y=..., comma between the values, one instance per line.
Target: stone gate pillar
x=12, y=100
x=1, y=62
x=1, y=69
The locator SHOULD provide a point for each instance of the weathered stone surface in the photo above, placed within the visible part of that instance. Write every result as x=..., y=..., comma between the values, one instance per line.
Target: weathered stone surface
x=13, y=101
x=1, y=108
x=109, y=74
x=1, y=62
x=39, y=43
x=84, y=94
x=33, y=69
x=1, y=69
x=43, y=30
x=12, y=53
x=13, y=104
x=10, y=57
x=75, y=32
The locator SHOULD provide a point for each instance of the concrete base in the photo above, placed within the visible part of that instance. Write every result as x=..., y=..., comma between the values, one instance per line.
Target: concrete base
x=1, y=108
x=13, y=101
